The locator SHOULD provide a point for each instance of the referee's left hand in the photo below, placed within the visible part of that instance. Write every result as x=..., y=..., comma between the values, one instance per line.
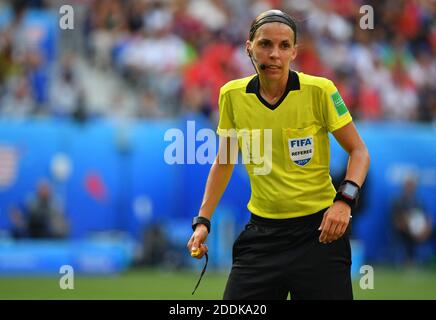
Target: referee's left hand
x=335, y=222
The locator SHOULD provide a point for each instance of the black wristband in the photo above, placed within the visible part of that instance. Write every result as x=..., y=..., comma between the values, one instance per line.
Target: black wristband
x=340, y=197
x=344, y=195
x=201, y=220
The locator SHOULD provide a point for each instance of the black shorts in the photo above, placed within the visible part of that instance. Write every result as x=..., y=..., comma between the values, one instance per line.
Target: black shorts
x=272, y=258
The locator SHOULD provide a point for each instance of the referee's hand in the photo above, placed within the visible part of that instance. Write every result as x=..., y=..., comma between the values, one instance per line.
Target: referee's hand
x=196, y=245
x=335, y=222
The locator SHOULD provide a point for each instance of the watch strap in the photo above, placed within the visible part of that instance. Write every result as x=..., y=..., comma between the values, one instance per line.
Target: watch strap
x=352, y=202
x=201, y=220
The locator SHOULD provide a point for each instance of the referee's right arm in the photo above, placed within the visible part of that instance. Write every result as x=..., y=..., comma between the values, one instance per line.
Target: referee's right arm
x=217, y=181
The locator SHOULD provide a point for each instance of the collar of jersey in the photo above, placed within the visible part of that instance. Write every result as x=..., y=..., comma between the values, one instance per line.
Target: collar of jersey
x=293, y=84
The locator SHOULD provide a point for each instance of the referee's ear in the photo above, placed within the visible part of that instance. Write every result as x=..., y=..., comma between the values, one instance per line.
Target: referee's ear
x=248, y=47
x=294, y=52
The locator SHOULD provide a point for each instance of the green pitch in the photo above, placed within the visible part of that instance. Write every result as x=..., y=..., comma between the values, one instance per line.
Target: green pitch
x=165, y=285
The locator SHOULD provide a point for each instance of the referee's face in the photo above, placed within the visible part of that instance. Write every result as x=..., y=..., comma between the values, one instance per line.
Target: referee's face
x=273, y=45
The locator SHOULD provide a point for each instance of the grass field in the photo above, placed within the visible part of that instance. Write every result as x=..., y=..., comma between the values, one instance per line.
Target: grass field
x=160, y=285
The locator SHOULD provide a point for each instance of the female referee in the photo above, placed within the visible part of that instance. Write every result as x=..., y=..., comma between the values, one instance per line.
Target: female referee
x=297, y=240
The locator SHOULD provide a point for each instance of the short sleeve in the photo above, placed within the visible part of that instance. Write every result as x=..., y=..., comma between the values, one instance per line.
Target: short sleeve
x=226, y=124
x=336, y=114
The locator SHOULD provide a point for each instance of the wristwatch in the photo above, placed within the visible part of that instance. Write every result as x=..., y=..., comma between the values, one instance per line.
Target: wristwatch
x=201, y=220
x=348, y=192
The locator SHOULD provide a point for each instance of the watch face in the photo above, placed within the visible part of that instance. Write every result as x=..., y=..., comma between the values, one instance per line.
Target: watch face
x=350, y=191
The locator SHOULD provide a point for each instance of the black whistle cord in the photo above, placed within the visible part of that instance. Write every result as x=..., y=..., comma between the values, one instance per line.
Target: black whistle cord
x=202, y=273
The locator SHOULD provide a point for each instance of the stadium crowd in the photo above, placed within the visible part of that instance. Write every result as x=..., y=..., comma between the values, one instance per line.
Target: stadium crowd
x=171, y=57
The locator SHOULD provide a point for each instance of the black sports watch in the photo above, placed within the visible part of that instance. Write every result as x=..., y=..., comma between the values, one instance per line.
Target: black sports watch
x=348, y=192
x=201, y=220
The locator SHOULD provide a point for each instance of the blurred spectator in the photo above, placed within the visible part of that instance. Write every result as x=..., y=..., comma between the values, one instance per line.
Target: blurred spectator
x=155, y=245
x=148, y=106
x=44, y=217
x=400, y=100
x=412, y=224
x=19, y=227
x=80, y=113
x=308, y=59
x=166, y=51
x=195, y=101
x=423, y=73
x=66, y=93
x=210, y=71
x=213, y=13
x=17, y=102
x=369, y=104
x=106, y=18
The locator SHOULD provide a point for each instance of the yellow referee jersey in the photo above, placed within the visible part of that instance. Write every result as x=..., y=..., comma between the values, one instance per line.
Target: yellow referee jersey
x=298, y=182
